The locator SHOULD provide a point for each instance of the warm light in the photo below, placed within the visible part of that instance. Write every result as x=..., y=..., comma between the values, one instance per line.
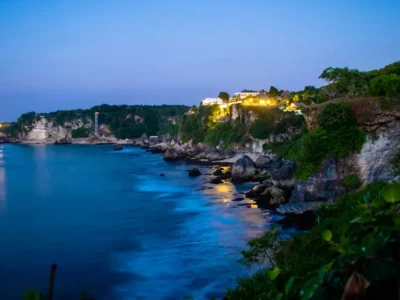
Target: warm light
x=223, y=189
x=262, y=102
x=268, y=102
x=251, y=99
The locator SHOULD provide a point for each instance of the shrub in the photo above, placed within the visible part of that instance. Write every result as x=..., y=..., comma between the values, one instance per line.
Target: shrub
x=336, y=135
x=396, y=164
x=358, y=233
x=260, y=129
x=80, y=132
x=351, y=181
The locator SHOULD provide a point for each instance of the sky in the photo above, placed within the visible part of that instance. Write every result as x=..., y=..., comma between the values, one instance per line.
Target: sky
x=69, y=54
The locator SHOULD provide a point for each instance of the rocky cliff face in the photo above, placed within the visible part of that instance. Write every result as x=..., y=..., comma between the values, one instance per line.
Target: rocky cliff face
x=372, y=164
x=45, y=129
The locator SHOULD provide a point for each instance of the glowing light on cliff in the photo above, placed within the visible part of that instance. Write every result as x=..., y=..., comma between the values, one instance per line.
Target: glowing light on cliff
x=262, y=102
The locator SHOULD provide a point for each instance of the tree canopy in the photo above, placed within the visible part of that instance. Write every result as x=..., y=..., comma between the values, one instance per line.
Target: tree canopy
x=224, y=96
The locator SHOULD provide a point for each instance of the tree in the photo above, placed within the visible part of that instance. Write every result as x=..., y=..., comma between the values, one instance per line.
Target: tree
x=273, y=91
x=224, y=96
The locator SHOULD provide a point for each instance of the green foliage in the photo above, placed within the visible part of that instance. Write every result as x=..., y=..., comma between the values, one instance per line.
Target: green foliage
x=273, y=91
x=227, y=133
x=122, y=119
x=336, y=135
x=224, y=96
x=396, y=164
x=168, y=128
x=351, y=181
x=386, y=85
x=357, y=233
x=80, y=132
x=31, y=295
x=260, y=129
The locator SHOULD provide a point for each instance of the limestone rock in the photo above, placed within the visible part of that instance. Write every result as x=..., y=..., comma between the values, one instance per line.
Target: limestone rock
x=118, y=147
x=244, y=169
x=263, y=162
x=63, y=141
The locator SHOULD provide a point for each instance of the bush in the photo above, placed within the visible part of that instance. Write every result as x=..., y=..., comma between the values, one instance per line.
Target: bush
x=260, y=129
x=396, y=164
x=336, y=135
x=351, y=181
x=80, y=132
x=358, y=233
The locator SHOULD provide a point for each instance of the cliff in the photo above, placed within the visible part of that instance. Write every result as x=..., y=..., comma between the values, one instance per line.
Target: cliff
x=380, y=119
x=115, y=121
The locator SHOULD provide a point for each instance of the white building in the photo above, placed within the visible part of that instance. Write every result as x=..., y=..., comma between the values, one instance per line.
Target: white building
x=243, y=95
x=211, y=101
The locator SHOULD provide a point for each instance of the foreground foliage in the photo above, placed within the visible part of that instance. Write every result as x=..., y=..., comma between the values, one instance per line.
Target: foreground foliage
x=353, y=251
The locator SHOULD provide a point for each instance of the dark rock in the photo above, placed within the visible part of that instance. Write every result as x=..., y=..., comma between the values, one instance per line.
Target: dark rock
x=243, y=170
x=272, y=197
x=216, y=180
x=64, y=141
x=194, y=172
x=162, y=175
x=258, y=190
x=219, y=172
x=175, y=153
x=303, y=221
x=321, y=186
x=118, y=147
x=238, y=199
x=263, y=162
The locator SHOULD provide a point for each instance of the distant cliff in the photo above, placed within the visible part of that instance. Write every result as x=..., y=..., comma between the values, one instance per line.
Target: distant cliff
x=119, y=121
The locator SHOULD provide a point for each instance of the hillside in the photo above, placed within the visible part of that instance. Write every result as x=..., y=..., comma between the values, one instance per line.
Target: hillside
x=120, y=121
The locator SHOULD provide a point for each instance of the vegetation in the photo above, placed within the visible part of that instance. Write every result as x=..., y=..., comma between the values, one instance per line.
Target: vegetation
x=353, y=250
x=260, y=129
x=224, y=96
x=336, y=135
x=228, y=133
x=125, y=121
x=80, y=132
x=396, y=164
x=345, y=82
x=351, y=181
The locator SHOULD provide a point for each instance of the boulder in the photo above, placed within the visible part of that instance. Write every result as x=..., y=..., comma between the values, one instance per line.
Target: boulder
x=118, y=147
x=159, y=148
x=272, y=197
x=194, y=172
x=258, y=189
x=64, y=141
x=283, y=176
x=162, y=175
x=176, y=152
x=243, y=169
x=216, y=180
x=219, y=172
x=263, y=162
x=322, y=185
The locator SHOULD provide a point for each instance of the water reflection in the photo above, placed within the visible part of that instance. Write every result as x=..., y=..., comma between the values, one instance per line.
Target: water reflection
x=2, y=181
x=42, y=178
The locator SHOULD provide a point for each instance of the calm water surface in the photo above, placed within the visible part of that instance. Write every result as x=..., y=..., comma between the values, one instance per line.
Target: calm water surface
x=115, y=228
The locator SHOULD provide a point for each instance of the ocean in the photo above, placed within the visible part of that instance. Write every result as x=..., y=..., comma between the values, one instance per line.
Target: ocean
x=117, y=229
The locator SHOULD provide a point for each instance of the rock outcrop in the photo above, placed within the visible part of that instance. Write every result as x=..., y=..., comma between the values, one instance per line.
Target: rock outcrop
x=194, y=172
x=63, y=141
x=118, y=147
x=244, y=169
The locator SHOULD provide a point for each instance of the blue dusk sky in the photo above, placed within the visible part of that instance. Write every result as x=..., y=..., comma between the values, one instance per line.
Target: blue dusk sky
x=68, y=54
